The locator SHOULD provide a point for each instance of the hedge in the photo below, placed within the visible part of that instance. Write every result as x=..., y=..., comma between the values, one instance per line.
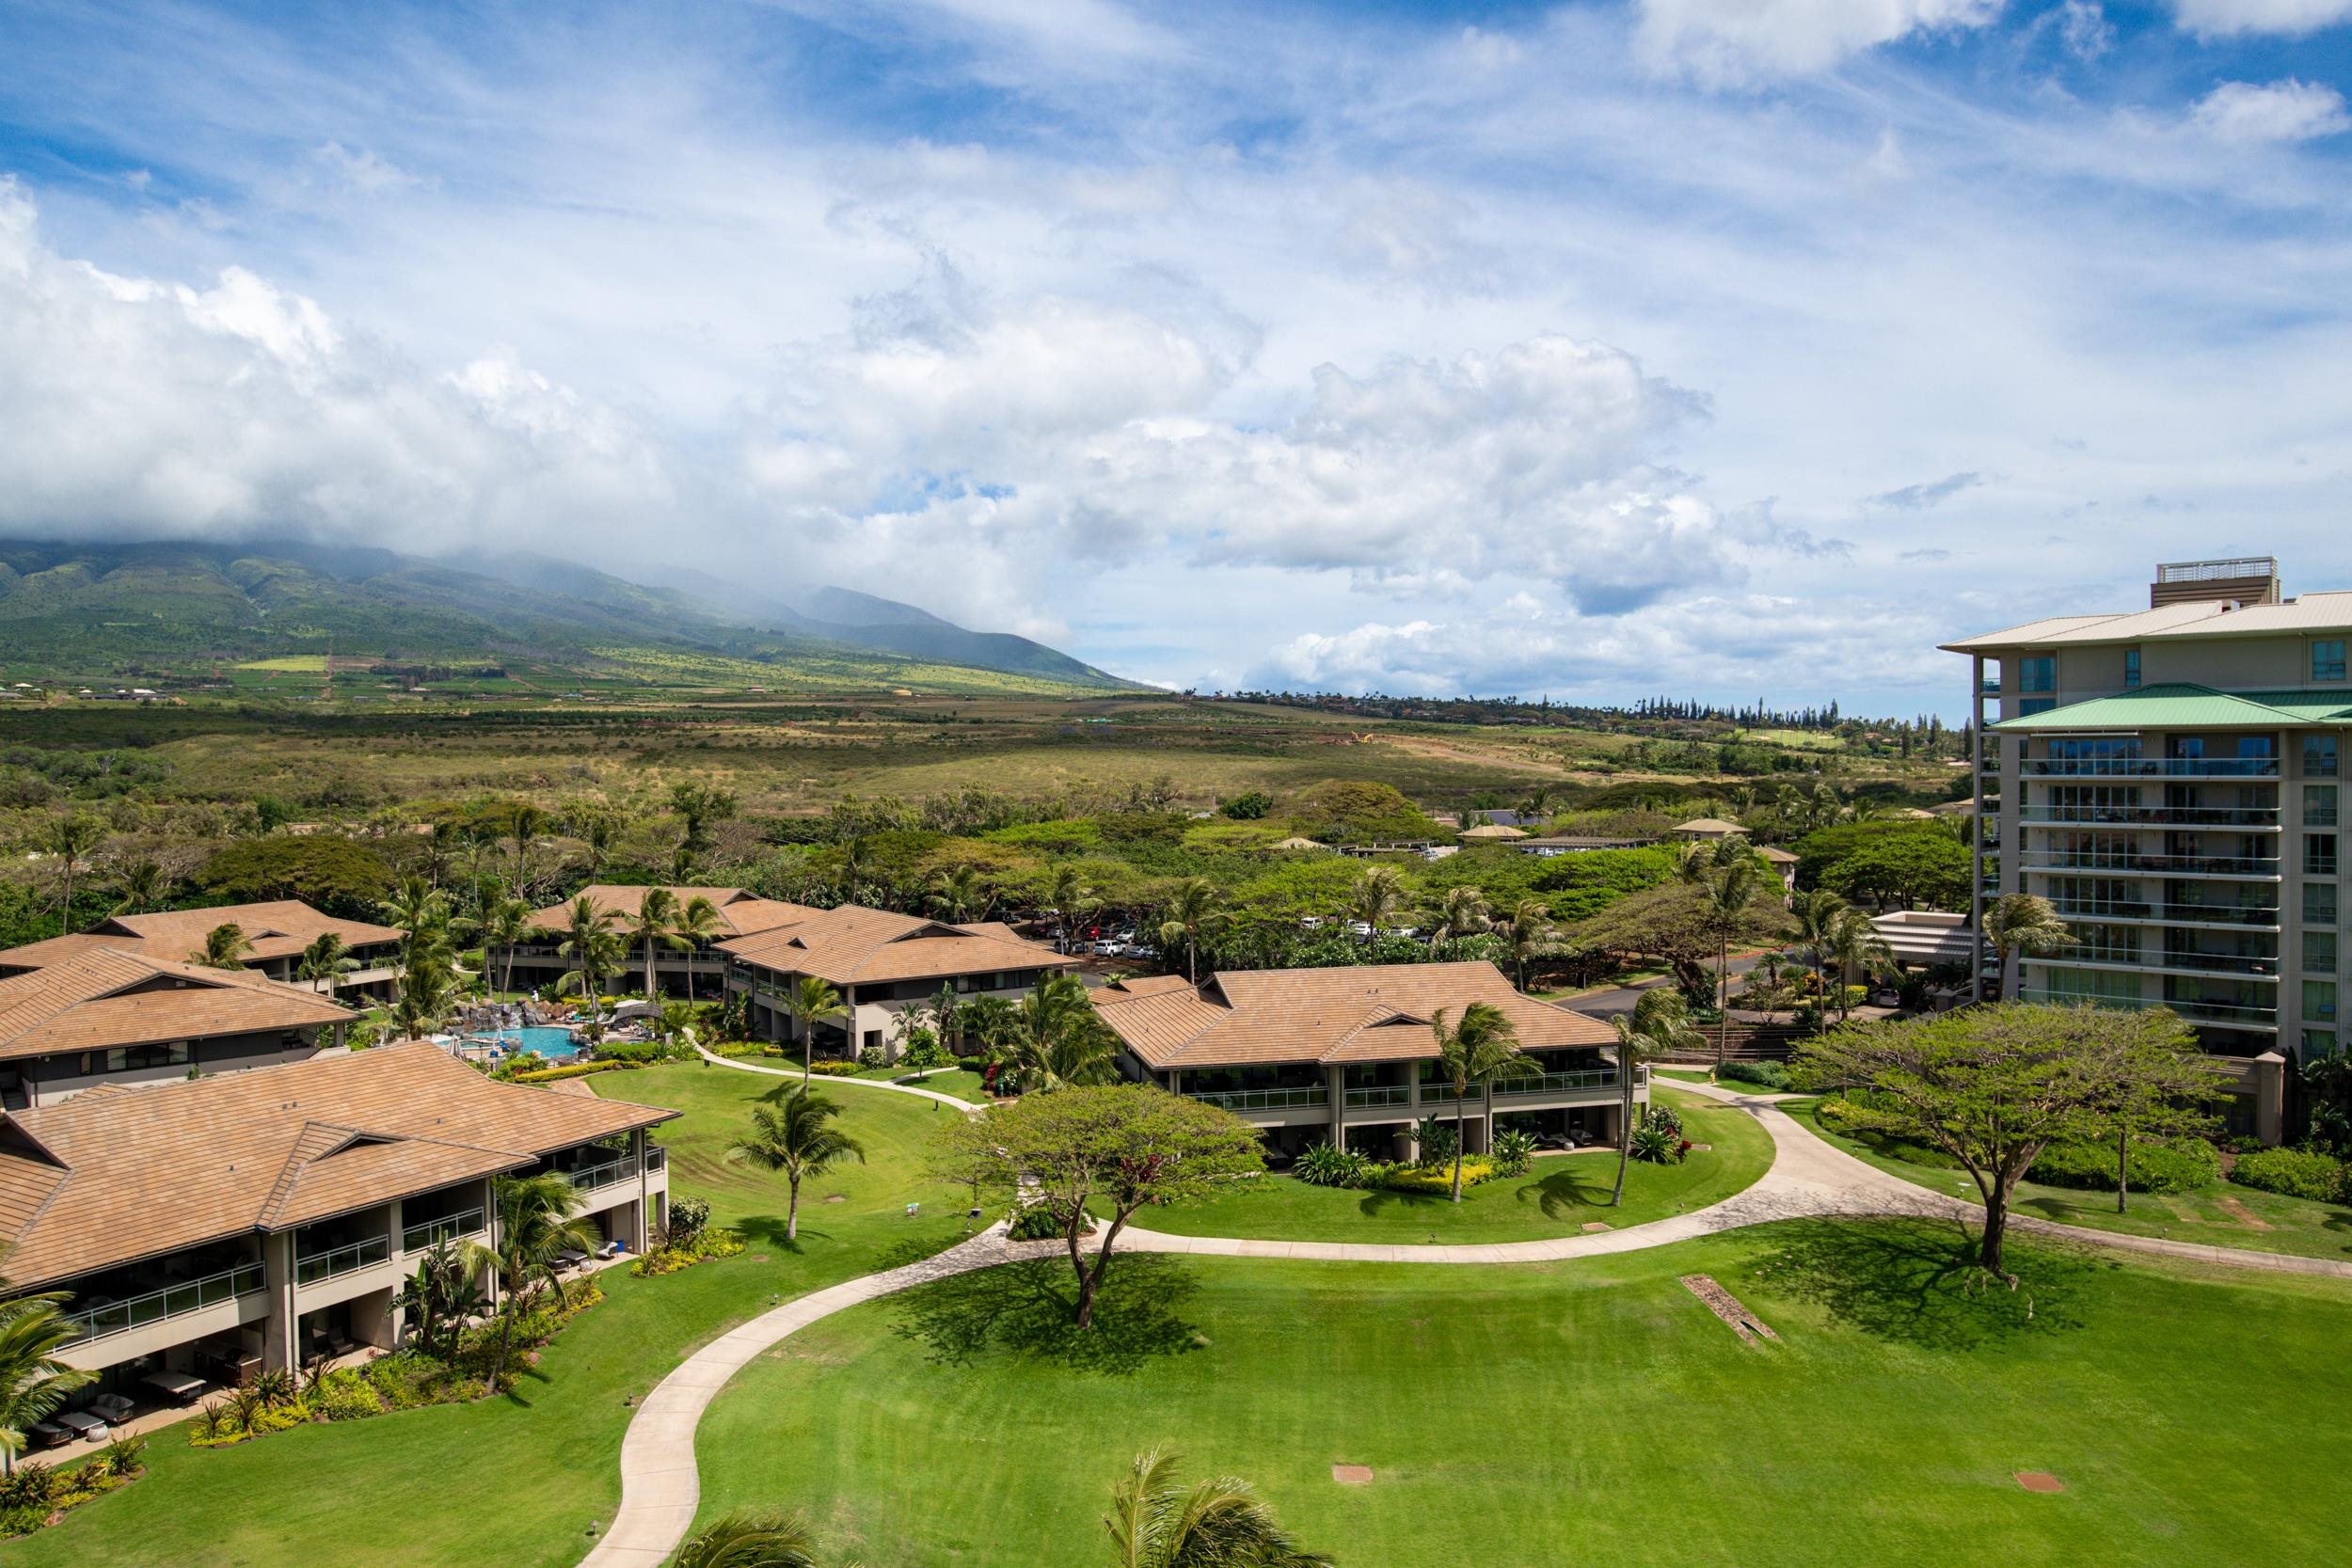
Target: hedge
x=2292, y=1173
x=574, y=1070
x=2176, y=1167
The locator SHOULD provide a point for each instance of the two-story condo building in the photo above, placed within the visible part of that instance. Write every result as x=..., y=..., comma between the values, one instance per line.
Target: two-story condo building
x=699, y=969
x=881, y=963
x=110, y=1016
x=277, y=933
x=208, y=1230
x=2171, y=780
x=1347, y=1054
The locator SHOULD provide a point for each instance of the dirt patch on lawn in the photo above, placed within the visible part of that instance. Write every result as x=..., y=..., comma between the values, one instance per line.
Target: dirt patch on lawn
x=1352, y=1475
x=1726, y=1306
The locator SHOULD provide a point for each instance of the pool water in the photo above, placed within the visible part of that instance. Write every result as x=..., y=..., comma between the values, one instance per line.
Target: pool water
x=549, y=1040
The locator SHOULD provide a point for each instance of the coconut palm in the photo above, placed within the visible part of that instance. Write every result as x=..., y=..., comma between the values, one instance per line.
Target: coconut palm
x=327, y=957
x=1192, y=914
x=1377, y=898
x=988, y=1023
x=1069, y=897
x=1732, y=879
x=1659, y=1024
x=33, y=1382
x=1528, y=934
x=958, y=894
x=69, y=839
x=595, y=948
x=698, y=925
x=226, y=946
x=505, y=925
x=1055, y=1039
x=1480, y=1049
x=599, y=827
x=750, y=1539
x=1463, y=912
x=1816, y=915
x=525, y=825
x=656, y=925
x=1855, y=947
x=1156, y=1522
x=792, y=1139
x=2023, y=922
x=810, y=1002
x=538, y=1221
x=143, y=884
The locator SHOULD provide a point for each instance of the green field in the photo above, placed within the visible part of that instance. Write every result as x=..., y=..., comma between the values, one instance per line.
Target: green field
x=1592, y=1412
x=1559, y=1196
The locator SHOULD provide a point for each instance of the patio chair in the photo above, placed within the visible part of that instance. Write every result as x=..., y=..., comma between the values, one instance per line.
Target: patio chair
x=114, y=1407
x=47, y=1434
x=340, y=1345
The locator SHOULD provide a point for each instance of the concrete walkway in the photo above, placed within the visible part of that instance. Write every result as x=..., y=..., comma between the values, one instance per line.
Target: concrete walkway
x=828, y=1080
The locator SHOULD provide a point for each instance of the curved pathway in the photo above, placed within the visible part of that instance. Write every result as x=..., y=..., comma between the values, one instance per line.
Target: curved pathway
x=1809, y=1178
x=830, y=1080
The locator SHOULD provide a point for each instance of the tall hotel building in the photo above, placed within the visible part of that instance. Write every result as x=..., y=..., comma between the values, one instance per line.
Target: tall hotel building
x=2169, y=779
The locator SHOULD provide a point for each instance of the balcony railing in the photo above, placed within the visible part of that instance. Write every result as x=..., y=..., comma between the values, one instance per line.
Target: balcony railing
x=2152, y=767
x=2176, y=816
x=1989, y=687
x=2225, y=1012
x=1378, y=1094
x=1442, y=1093
x=2262, y=866
x=1266, y=1100
x=426, y=1234
x=172, y=1301
x=657, y=1157
x=1556, y=1083
x=2205, y=963
x=2170, y=914
x=588, y=1178
x=348, y=1258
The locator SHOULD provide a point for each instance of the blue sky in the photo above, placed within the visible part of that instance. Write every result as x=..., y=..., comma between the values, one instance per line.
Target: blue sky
x=1720, y=347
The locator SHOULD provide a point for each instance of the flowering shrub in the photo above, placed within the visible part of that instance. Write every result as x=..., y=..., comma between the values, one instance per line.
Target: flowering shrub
x=1438, y=1177
x=685, y=1253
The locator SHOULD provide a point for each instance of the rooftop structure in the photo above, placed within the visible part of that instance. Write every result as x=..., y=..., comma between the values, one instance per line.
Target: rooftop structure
x=277, y=931
x=690, y=971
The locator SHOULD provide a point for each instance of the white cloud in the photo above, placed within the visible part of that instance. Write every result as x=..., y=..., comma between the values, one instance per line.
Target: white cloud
x=2084, y=28
x=2233, y=18
x=1731, y=43
x=2285, y=111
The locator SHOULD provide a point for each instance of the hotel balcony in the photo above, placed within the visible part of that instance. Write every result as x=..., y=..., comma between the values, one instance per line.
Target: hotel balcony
x=2152, y=767
x=2215, y=916
x=2243, y=868
x=2257, y=819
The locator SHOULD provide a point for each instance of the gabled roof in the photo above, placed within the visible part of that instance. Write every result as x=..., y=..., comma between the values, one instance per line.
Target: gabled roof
x=740, y=914
x=1709, y=825
x=107, y=997
x=1345, y=1014
x=2307, y=612
x=105, y=1179
x=2170, y=706
x=278, y=928
x=855, y=945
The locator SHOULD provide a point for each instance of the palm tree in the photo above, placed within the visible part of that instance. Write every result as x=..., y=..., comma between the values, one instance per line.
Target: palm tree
x=1192, y=914
x=957, y=894
x=749, y=1538
x=1857, y=948
x=33, y=1382
x=595, y=948
x=1055, y=1039
x=538, y=1221
x=1155, y=1522
x=989, y=1024
x=1069, y=897
x=143, y=885
x=505, y=925
x=2023, y=922
x=856, y=866
x=656, y=925
x=599, y=827
x=326, y=958
x=810, y=1002
x=697, y=924
x=1817, y=914
x=793, y=1138
x=527, y=824
x=1659, y=1023
x=1377, y=898
x=1732, y=878
x=72, y=838
x=1481, y=1048
x=225, y=947
x=1463, y=912
x=1529, y=933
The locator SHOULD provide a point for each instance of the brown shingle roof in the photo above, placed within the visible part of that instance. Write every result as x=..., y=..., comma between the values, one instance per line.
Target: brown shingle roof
x=102, y=1180
x=740, y=914
x=109, y=997
x=854, y=945
x=279, y=929
x=1362, y=1013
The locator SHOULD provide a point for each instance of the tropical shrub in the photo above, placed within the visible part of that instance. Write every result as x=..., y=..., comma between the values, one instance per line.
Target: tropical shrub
x=689, y=1217
x=2155, y=1168
x=1664, y=1118
x=700, y=1247
x=1327, y=1165
x=31, y=1485
x=1438, y=1176
x=1513, y=1152
x=1658, y=1146
x=2292, y=1173
x=1437, y=1139
x=1036, y=1222
x=836, y=1069
x=873, y=1056
x=1769, y=1075
x=344, y=1395
x=573, y=1069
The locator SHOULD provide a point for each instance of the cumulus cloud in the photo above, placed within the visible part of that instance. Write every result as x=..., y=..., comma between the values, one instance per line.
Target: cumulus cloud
x=1732, y=43
x=2283, y=111
x=2287, y=18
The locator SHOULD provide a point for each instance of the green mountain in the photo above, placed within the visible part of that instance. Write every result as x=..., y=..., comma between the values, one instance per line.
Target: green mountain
x=79, y=608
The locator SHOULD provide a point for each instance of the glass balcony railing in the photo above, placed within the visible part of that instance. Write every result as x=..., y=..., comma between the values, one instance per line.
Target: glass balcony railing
x=1266, y=1100
x=348, y=1258
x=657, y=1157
x=2152, y=767
x=2202, y=1012
x=116, y=1317
x=2176, y=816
x=1556, y=1083
x=1378, y=1094
x=2204, y=963
x=2265, y=868
x=427, y=1233
x=588, y=1178
x=1442, y=1093
x=2167, y=914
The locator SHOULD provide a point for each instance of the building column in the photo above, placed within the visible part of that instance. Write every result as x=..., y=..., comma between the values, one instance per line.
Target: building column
x=1339, y=1106
x=2270, y=1098
x=279, y=1347
x=1975, y=845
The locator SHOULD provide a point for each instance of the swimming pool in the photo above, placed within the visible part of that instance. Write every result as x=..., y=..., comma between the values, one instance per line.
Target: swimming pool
x=553, y=1041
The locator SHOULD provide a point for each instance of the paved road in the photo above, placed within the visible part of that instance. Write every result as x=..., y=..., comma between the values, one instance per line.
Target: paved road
x=1620, y=999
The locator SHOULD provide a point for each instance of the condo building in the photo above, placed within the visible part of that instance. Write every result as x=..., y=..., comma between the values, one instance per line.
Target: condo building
x=2171, y=780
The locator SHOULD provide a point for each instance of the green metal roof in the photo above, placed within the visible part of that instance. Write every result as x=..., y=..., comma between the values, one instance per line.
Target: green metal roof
x=2185, y=707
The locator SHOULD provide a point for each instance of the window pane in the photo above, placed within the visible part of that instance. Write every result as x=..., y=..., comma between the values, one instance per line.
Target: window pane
x=2327, y=659
x=2319, y=854
x=2041, y=675
x=2131, y=667
x=2319, y=904
x=2319, y=805
x=2319, y=756
x=2319, y=952
x=2319, y=999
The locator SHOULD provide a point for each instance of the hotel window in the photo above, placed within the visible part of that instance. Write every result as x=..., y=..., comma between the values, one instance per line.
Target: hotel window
x=2319, y=756
x=2319, y=854
x=2035, y=704
x=2319, y=805
x=2319, y=1042
x=2319, y=904
x=2040, y=673
x=2319, y=1000
x=2327, y=659
x=2319, y=952
x=2131, y=668
x=131, y=1058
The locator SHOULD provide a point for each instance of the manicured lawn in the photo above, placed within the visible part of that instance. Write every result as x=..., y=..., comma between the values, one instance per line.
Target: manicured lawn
x=2224, y=1214
x=518, y=1482
x=1562, y=1194
x=1592, y=1412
